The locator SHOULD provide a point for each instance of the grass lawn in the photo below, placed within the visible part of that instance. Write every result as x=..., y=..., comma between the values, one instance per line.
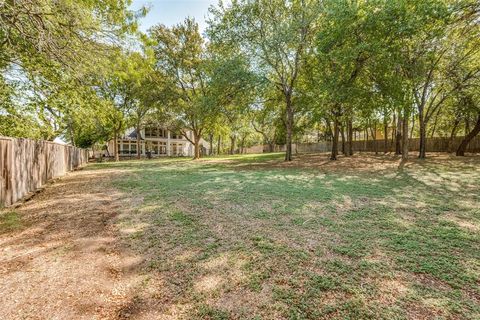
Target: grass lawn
x=248, y=237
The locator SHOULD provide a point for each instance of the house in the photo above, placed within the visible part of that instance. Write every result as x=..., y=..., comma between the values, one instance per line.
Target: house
x=157, y=141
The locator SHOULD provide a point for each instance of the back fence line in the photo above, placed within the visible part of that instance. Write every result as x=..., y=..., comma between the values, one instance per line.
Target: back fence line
x=436, y=144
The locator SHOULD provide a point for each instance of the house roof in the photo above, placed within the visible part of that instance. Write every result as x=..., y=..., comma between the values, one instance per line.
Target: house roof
x=133, y=135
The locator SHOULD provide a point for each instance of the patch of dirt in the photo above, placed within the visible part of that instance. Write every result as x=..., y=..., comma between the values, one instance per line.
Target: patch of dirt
x=66, y=262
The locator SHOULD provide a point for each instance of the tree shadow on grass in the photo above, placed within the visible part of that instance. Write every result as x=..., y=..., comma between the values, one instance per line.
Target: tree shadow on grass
x=205, y=213
x=64, y=260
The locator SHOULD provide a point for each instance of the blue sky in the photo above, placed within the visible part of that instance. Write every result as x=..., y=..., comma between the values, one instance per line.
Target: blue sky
x=170, y=12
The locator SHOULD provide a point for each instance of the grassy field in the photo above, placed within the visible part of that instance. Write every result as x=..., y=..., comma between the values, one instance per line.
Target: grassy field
x=248, y=237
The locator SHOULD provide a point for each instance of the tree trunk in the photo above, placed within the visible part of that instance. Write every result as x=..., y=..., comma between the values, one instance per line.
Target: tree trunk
x=72, y=135
x=365, y=142
x=385, y=135
x=289, y=124
x=374, y=137
x=350, y=137
x=434, y=127
x=412, y=127
x=219, y=145
x=196, y=139
x=139, y=152
x=242, y=144
x=453, y=134
x=463, y=146
x=333, y=156
x=115, y=145
x=271, y=146
x=423, y=135
x=232, y=144
x=342, y=131
x=405, y=136
x=394, y=129
x=398, y=136
x=210, y=142
x=329, y=133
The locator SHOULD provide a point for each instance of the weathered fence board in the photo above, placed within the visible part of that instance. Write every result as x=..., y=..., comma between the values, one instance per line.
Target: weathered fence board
x=26, y=165
x=253, y=150
x=436, y=144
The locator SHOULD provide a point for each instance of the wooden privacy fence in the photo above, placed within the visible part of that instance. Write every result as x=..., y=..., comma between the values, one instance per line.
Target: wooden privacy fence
x=253, y=150
x=26, y=165
x=433, y=145
x=323, y=146
x=436, y=144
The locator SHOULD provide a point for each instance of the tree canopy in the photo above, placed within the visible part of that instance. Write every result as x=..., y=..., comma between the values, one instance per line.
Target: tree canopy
x=264, y=72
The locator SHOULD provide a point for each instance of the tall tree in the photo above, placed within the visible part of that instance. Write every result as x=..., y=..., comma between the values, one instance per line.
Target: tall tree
x=181, y=53
x=344, y=45
x=48, y=52
x=275, y=35
x=69, y=33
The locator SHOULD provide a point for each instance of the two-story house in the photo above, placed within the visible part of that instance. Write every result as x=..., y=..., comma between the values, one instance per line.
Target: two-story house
x=157, y=141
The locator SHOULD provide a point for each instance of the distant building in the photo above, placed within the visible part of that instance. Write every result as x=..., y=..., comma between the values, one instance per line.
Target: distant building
x=158, y=142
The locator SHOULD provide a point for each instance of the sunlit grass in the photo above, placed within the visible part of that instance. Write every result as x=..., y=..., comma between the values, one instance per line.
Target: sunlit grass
x=307, y=243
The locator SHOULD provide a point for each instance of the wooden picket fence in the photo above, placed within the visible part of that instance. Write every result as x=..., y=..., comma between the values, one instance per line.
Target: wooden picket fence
x=26, y=165
x=436, y=144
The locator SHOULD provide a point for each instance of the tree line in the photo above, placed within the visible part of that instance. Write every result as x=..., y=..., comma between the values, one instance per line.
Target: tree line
x=264, y=72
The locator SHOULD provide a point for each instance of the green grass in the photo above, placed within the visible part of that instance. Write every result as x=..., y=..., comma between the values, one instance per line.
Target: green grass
x=243, y=237
x=9, y=221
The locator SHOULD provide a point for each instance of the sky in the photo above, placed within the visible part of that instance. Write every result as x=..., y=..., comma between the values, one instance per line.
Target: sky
x=170, y=12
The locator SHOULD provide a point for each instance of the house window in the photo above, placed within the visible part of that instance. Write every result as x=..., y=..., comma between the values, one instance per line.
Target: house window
x=176, y=135
x=149, y=132
x=177, y=149
x=159, y=147
x=125, y=148
x=155, y=132
x=162, y=147
x=154, y=148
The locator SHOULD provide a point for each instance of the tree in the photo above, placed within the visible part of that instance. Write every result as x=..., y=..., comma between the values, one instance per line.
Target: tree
x=203, y=83
x=181, y=54
x=344, y=45
x=119, y=86
x=49, y=51
x=232, y=87
x=145, y=89
x=275, y=35
x=67, y=33
x=263, y=119
x=420, y=52
x=467, y=97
